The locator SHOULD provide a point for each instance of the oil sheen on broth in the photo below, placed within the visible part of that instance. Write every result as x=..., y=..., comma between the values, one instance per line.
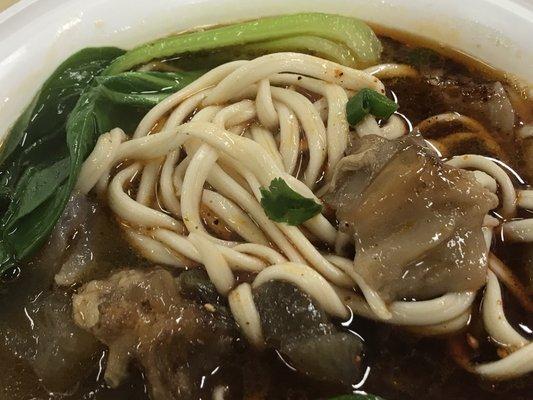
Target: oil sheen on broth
x=38, y=333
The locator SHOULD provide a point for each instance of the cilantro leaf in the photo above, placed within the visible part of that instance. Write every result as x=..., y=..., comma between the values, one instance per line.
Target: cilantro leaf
x=282, y=204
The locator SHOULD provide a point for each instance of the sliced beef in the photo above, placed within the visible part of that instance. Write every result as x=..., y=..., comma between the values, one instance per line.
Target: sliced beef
x=142, y=317
x=302, y=332
x=85, y=244
x=64, y=353
x=59, y=353
x=487, y=102
x=416, y=222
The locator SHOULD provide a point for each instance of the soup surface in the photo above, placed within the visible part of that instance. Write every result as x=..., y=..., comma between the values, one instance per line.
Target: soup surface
x=47, y=354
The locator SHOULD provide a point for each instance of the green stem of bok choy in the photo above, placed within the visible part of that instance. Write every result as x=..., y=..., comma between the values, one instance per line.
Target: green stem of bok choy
x=361, y=44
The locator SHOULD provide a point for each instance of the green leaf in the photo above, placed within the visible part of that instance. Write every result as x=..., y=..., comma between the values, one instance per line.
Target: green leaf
x=357, y=396
x=36, y=160
x=357, y=37
x=35, y=187
x=38, y=177
x=143, y=89
x=38, y=136
x=32, y=230
x=136, y=82
x=5, y=257
x=282, y=204
x=49, y=110
x=368, y=101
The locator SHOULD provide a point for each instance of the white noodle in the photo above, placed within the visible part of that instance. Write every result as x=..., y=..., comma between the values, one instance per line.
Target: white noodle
x=388, y=71
x=309, y=281
x=243, y=309
x=152, y=249
x=132, y=211
x=266, y=113
x=147, y=186
x=289, y=137
x=267, y=141
x=215, y=264
x=415, y=313
x=516, y=364
x=99, y=162
x=265, y=252
x=443, y=328
x=167, y=188
x=265, y=66
x=232, y=215
x=518, y=231
x=494, y=318
x=207, y=80
x=525, y=199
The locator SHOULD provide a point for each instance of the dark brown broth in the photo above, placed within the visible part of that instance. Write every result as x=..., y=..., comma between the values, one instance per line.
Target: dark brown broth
x=401, y=366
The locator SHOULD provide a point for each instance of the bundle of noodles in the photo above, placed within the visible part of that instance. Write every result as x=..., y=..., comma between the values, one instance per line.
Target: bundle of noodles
x=210, y=148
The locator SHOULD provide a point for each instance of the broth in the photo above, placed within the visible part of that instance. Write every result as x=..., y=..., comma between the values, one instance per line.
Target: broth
x=399, y=365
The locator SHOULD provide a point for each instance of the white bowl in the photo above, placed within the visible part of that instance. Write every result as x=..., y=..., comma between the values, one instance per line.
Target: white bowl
x=38, y=34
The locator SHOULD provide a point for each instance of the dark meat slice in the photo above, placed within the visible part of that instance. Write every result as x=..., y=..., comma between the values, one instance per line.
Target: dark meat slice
x=332, y=358
x=195, y=284
x=59, y=352
x=487, y=102
x=295, y=326
x=416, y=222
x=64, y=353
x=141, y=316
x=85, y=244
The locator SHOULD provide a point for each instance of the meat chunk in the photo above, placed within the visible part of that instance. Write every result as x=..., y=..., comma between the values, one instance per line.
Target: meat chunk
x=141, y=317
x=58, y=352
x=301, y=331
x=84, y=245
x=487, y=102
x=416, y=222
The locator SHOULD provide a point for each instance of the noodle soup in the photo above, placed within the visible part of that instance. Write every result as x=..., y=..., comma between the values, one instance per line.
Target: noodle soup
x=289, y=208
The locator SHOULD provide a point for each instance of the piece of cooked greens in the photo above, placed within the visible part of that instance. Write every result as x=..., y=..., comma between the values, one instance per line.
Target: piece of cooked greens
x=368, y=101
x=57, y=133
x=36, y=160
x=282, y=204
x=143, y=89
x=362, y=47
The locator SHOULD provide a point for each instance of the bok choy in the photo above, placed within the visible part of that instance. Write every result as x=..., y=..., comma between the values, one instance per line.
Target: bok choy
x=360, y=43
